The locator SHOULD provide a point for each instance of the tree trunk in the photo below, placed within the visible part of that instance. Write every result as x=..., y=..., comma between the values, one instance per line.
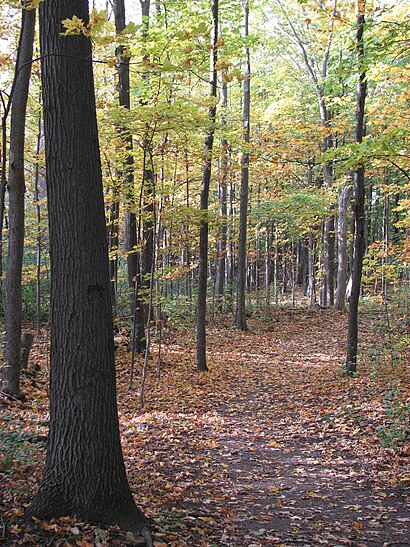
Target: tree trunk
x=16, y=183
x=147, y=243
x=328, y=228
x=268, y=264
x=330, y=261
x=146, y=218
x=84, y=472
x=243, y=208
x=27, y=339
x=222, y=241
x=203, y=230
x=359, y=194
x=130, y=219
x=39, y=239
x=231, y=236
x=385, y=256
x=311, y=271
x=342, y=249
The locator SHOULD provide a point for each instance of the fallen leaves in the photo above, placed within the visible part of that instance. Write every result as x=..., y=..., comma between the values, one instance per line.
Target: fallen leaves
x=272, y=446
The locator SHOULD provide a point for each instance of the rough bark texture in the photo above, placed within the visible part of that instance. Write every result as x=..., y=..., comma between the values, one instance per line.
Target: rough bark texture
x=16, y=183
x=243, y=208
x=203, y=231
x=84, y=472
x=359, y=195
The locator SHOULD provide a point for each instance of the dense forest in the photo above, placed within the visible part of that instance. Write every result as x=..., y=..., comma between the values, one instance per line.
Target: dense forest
x=177, y=174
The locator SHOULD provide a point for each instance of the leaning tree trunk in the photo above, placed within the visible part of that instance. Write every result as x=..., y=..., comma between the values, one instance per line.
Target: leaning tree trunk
x=243, y=208
x=84, y=473
x=206, y=179
x=359, y=194
x=16, y=184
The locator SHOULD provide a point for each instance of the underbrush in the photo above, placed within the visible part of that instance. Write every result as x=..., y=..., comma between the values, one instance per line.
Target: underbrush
x=388, y=357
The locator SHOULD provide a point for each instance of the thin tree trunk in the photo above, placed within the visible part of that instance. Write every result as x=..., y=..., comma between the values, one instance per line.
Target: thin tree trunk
x=16, y=184
x=386, y=244
x=268, y=264
x=342, y=249
x=222, y=241
x=113, y=239
x=39, y=228
x=243, y=208
x=359, y=194
x=275, y=265
x=130, y=219
x=330, y=260
x=147, y=243
x=312, y=273
x=146, y=211
x=230, y=252
x=206, y=178
x=3, y=182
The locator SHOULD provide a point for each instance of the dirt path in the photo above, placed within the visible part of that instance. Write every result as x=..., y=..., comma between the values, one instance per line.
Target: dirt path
x=289, y=457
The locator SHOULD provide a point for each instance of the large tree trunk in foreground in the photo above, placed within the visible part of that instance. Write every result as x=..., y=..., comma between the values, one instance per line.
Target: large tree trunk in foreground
x=16, y=183
x=84, y=472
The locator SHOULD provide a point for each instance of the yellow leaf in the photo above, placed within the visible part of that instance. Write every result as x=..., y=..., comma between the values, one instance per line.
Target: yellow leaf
x=73, y=26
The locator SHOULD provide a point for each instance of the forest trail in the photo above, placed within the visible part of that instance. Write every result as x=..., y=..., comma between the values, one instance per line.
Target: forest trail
x=273, y=446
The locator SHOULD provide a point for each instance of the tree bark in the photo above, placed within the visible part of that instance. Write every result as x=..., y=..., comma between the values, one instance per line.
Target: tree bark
x=268, y=264
x=39, y=238
x=146, y=217
x=342, y=249
x=243, y=208
x=16, y=184
x=223, y=230
x=203, y=230
x=312, y=271
x=130, y=218
x=84, y=473
x=27, y=339
x=359, y=194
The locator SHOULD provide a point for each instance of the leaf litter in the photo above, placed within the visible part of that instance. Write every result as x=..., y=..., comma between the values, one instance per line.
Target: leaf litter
x=273, y=446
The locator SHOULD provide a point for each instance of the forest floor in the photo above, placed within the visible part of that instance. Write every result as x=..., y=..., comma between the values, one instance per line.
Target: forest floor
x=272, y=446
